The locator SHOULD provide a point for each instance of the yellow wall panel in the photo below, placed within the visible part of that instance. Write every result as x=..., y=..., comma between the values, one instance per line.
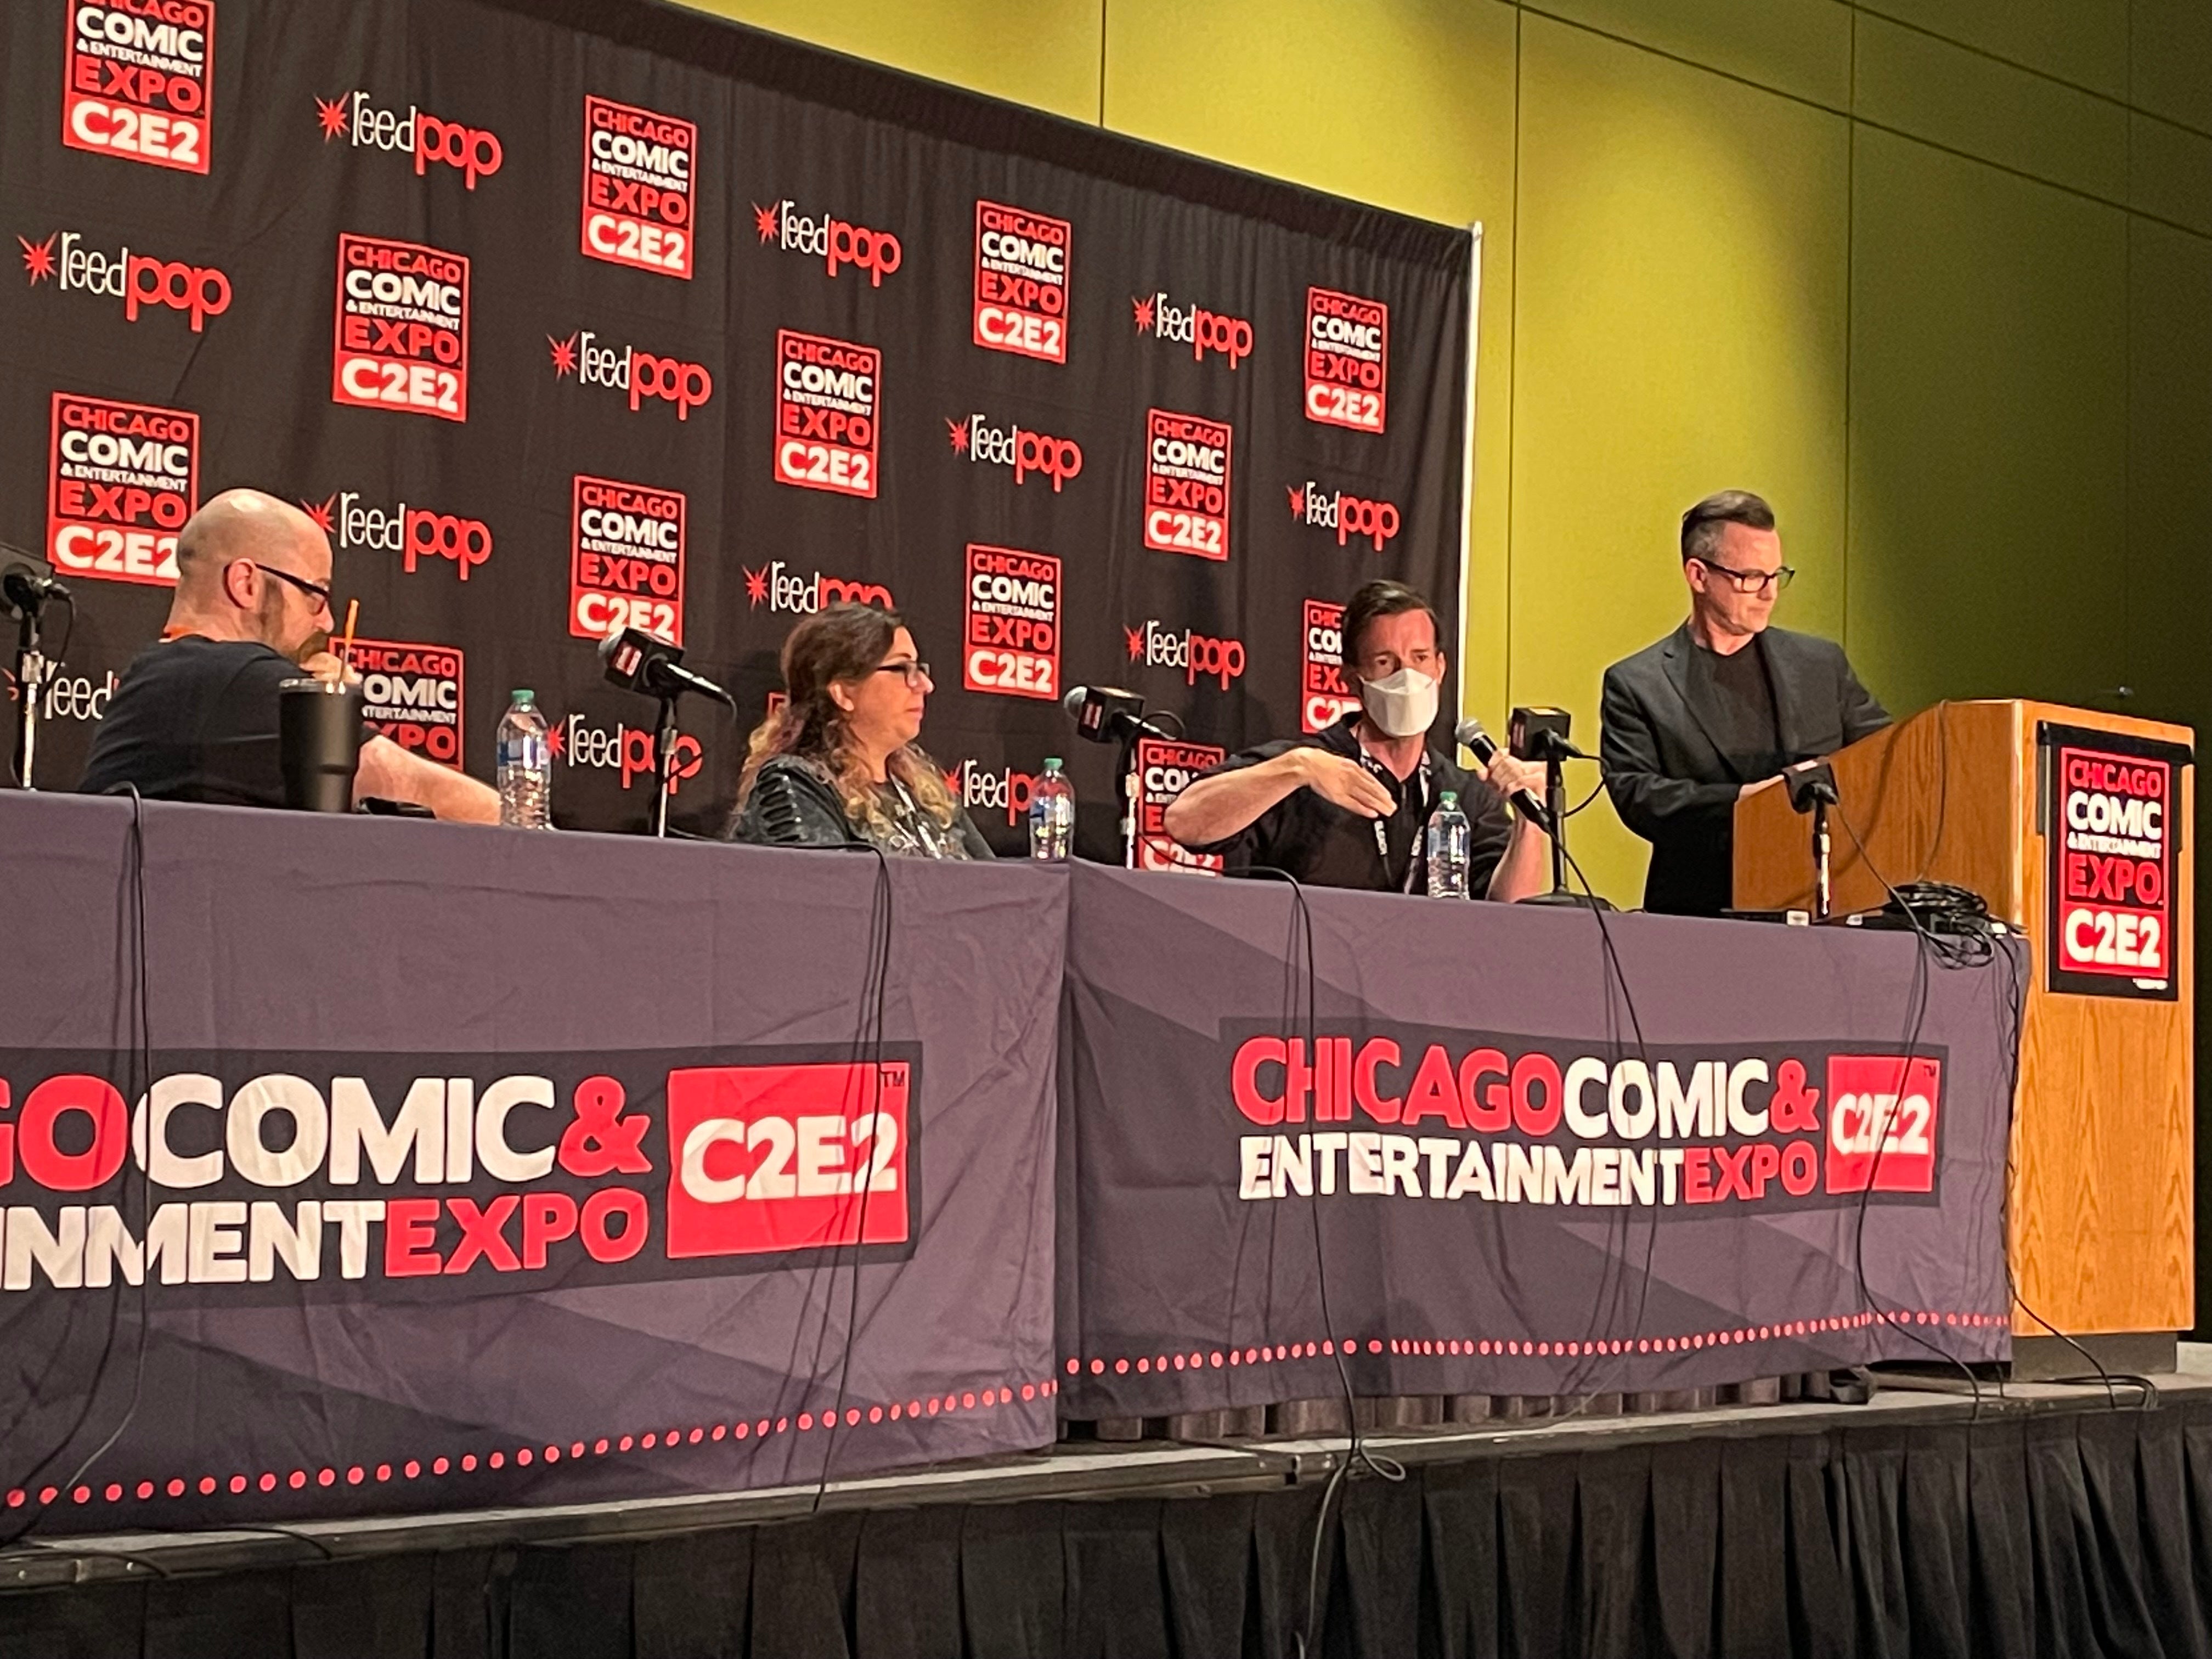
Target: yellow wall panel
x=2170, y=60
x=2170, y=172
x=1988, y=432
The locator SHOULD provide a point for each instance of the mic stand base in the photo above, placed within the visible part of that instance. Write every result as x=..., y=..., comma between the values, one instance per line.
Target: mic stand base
x=1555, y=799
x=1562, y=896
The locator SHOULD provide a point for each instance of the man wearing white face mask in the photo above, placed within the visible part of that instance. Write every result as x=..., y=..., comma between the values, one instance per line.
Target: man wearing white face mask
x=1346, y=806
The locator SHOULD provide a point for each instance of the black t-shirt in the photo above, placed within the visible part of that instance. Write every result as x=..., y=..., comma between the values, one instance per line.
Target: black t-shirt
x=1324, y=845
x=1734, y=697
x=194, y=720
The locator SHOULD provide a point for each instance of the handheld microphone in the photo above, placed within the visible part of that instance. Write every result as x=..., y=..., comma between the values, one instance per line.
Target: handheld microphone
x=1106, y=714
x=636, y=661
x=1484, y=747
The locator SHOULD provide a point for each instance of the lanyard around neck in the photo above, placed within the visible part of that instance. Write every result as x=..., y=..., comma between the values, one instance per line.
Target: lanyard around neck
x=1389, y=781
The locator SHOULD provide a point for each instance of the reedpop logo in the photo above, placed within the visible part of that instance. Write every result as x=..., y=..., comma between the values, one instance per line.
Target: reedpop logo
x=1348, y=515
x=1199, y=656
x=781, y=589
x=1202, y=330
x=642, y=374
x=834, y=242
x=415, y=533
x=625, y=750
x=138, y=280
x=1026, y=451
x=474, y=152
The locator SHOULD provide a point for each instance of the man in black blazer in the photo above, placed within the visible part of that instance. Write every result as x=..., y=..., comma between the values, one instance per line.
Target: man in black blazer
x=1720, y=706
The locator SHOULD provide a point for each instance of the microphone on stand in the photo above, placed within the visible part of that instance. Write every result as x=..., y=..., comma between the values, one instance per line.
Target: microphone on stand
x=1106, y=714
x=636, y=661
x=1484, y=747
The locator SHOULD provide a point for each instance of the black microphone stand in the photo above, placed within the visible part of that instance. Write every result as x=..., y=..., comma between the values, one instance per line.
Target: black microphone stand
x=34, y=668
x=1812, y=786
x=1554, y=753
x=1124, y=794
x=664, y=754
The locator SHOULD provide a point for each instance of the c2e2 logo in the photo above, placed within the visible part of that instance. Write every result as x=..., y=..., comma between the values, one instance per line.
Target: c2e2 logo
x=802, y=1156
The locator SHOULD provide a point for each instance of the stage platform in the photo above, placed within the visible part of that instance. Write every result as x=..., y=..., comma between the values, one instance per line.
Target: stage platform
x=2043, y=1518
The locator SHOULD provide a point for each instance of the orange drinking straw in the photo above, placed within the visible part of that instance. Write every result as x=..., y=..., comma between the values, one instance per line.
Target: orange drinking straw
x=345, y=646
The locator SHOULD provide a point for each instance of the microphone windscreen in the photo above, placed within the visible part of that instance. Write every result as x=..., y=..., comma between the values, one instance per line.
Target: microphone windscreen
x=1073, y=703
x=1469, y=731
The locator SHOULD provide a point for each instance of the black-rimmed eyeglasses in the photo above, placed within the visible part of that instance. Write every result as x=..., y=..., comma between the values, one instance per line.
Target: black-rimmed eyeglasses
x=916, y=674
x=314, y=590
x=1752, y=582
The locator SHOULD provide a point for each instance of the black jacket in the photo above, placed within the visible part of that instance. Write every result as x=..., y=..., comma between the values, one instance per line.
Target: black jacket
x=793, y=804
x=1323, y=845
x=1668, y=779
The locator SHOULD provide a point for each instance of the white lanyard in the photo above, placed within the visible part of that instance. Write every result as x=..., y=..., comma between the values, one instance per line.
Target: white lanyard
x=919, y=824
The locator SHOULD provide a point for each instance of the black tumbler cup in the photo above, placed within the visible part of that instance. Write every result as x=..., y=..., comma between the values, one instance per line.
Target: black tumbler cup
x=318, y=735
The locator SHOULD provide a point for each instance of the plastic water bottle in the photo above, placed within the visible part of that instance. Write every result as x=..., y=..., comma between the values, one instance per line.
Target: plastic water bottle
x=1447, y=849
x=1052, y=815
x=525, y=766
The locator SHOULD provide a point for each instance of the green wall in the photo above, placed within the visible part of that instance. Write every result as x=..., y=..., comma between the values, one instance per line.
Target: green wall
x=1936, y=276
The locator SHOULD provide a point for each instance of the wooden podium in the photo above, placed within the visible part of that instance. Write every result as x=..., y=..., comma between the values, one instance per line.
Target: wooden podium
x=2100, y=1202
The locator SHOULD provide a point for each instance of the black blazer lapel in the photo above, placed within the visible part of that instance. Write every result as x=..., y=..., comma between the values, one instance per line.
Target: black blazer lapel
x=1677, y=656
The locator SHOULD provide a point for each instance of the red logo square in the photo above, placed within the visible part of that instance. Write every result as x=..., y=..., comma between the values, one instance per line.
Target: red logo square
x=1012, y=644
x=1879, y=1131
x=1187, y=484
x=122, y=480
x=136, y=82
x=1022, y=261
x=763, y=1158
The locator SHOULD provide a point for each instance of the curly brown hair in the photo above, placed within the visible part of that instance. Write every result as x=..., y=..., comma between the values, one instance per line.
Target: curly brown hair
x=841, y=641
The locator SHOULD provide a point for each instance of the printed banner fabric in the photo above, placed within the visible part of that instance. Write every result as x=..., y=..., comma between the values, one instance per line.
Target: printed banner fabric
x=1448, y=1162
x=484, y=1169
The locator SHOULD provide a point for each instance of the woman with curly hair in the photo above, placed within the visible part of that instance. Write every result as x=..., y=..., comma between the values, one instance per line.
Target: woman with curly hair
x=838, y=763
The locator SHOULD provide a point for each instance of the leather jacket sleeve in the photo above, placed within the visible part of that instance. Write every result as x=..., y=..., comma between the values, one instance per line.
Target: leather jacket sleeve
x=791, y=805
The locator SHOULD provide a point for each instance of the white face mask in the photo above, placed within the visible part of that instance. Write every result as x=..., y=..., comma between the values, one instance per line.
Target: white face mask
x=1404, y=705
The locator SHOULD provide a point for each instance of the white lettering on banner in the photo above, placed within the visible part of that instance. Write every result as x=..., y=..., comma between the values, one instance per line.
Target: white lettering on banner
x=1761, y=1123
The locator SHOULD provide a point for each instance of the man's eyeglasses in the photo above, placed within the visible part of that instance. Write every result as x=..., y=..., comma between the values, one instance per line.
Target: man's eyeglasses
x=1752, y=582
x=916, y=674
x=319, y=594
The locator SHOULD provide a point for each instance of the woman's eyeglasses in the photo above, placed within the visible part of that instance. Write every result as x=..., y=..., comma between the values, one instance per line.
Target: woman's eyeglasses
x=916, y=674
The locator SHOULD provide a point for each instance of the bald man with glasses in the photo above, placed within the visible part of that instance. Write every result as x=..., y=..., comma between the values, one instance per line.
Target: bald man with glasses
x=1721, y=706
x=194, y=717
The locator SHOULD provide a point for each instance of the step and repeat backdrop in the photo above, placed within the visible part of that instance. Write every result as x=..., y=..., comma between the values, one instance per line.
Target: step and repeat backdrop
x=660, y=322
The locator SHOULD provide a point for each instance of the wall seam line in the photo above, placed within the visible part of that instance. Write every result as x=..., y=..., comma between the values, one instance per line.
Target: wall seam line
x=1513, y=368
x=1850, y=268
x=1877, y=126
x=2037, y=73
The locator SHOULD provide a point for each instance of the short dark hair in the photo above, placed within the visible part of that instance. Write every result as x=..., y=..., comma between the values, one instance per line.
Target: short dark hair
x=1701, y=524
x=1376, y=599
